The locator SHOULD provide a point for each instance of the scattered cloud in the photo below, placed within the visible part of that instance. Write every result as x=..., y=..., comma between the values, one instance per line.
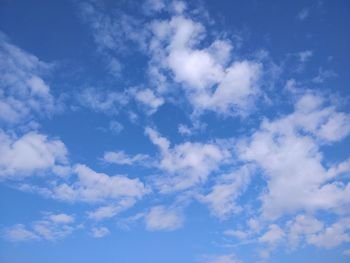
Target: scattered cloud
x=230, y=258
x=30, y=153
x=91, y=186
x=99, y=232
x=212, y=81
x=109, y=211
x=149, y=100
x=105, y=101
x=187, y=164
x=222, y=197
x=51, y=227
x=288, y=149
x=303, y=14
x=23, y=92
x=162, y=218
x=122, y=158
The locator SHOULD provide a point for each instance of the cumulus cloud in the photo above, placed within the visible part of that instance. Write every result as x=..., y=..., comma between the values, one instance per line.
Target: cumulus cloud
x=302, y=226
x=30, y=153
x=19, y=233
x=91, y=186
x=333, y=235
x=105, y=101
x=222, y=197
x=148, y=98
x=187, y=164
x=303, y=14
x=121, y=157
x=287, y=149
x=273, y=235
x=230, y=258
x=99, y=232
x=162, y=218
x=208, y=79
x=109, y=211
x=112, y=33
x=23, y=92
x=51, y=227
x=61, y=218
x=115, y=127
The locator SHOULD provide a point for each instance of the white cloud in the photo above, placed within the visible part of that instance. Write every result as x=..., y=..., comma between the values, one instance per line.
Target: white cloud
x=109, y=102
x=305, y=55
x=187, y=164
x=222, y=259
x=236, y=233
x=109, y=211
x=222, y=197
x=115, y=127
x=61, y=218
x=273, y=235
x=30, y=153
x=99, y=232
x=23, y=92
x=302, y=226
x=91, y=186
x=332, y=236
x=113, y=33
x=323, y=75
x=303, y=14
x=20, y=233
x=149, y=99
x=51, y=230
x=210, y=84
x=153, y=6
x=287, y=149
x=253, y=227
x=184, y=130
x=162, y=218
x=121, y=157
x=51, y=227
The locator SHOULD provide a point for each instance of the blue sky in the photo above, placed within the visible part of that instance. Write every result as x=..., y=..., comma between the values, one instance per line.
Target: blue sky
x=170, y=131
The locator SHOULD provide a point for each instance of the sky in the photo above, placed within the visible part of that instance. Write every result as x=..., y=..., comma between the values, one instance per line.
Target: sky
x=174, y=131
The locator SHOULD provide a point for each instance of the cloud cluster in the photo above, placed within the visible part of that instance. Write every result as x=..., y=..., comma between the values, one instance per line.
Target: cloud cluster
x=23, y=92
x=288, y=149
x=162, y=218
x=187, y=164
x=33, y=152
x=51, y=227
x=209, y=77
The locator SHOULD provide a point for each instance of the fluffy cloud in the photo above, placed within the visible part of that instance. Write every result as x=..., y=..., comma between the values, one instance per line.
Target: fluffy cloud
x=99, y=232
x=287, y=149
x=113, y=34
x=209, y=81
x=222, y=197
x=23, y=92
x=51, y=227
x=91, y=186
x=222, y=259
x=332, y=236
x=109, y=211
x=149, y=100
x=121, y=157
x=61, y=218
x=162, y=218
x=273, y=235
x=108, y=102
x=19, y=233
x=302, y=226
x=188, y=164
x=30, y=153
